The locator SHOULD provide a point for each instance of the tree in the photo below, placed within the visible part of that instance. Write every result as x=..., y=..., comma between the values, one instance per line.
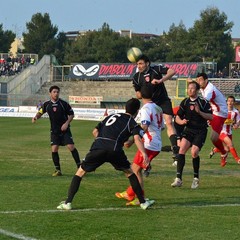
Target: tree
x=61, y=42
x=40, y=35
x=178, y=44
x=100, y=46
x=6, y=39
x=211, y=38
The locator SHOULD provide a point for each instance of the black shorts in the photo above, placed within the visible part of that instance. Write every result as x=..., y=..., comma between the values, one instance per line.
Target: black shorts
x=62, y=139
x=95, y=158
x=179, y=129
x=196, y=137
x=166, y=106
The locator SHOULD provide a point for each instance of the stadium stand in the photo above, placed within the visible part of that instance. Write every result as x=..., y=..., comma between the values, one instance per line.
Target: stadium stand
x=114, y=93
x=32, y=85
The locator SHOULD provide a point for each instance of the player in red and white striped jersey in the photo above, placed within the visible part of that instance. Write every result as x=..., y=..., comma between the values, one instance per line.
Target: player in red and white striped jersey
x=151, y=118
x=219, y=107
x=232, y=122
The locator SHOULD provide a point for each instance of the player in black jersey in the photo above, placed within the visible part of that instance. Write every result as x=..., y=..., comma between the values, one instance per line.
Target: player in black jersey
x=194, y=112
x=157, y=75
x=60, y=114
x=110, y=135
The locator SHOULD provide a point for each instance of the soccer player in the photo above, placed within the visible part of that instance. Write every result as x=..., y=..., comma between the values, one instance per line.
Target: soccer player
x=60, y=114
x=110, y=135
x=151, y=119
x=154, y=75
x=194, y=112
x=232, y=122
x=220, y=112
x=179, y=129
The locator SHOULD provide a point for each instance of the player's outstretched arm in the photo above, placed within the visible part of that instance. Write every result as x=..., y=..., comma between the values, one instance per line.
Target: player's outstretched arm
x=37, y=116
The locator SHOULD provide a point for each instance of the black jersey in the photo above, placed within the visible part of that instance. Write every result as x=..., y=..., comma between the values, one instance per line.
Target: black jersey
x=159, y=90
x=186, y=110
x=114, y=130
x=58, y=113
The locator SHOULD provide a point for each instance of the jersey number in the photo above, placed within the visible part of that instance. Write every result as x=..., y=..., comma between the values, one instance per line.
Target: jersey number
x=159, y=119
x=112, y=119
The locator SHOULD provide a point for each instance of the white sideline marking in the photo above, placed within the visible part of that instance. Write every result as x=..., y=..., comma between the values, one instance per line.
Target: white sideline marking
x=121, y=209
x=16, y=236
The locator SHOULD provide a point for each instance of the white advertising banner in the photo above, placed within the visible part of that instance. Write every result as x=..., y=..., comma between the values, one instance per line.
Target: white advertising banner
x=8, y=109
x=95, y=114
x=28, y=109
x=85, y=99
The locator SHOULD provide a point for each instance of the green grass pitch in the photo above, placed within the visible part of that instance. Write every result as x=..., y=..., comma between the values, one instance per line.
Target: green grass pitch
x=29, y=194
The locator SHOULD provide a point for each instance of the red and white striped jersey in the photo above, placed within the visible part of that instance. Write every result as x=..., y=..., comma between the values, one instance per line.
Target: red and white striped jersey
x=152, y=116
x=216, y=99
x=232, y=118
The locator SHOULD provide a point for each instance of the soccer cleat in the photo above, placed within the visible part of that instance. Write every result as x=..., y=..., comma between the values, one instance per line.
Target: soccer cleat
x=57, y=173
x=147, y=204
x=64, y=206
x=177, y=182
x=211, y=153
x=124, y=195
x=146, y=172
x=195, y=183
x=224, y=159
x=166, y=149
x=134, y=202
x=174, y=164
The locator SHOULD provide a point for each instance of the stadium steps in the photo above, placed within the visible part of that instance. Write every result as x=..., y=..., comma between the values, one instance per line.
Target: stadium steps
x=114, y=93
x=106, y=89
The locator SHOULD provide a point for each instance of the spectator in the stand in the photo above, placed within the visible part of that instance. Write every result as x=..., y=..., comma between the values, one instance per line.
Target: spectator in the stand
x=13, y=65
x=28, y=59
x=237, y=88
x=235, y=72
x=39, y=105
x=32, y=61
x=2, y=60
x=23, y=61
x=224, y=72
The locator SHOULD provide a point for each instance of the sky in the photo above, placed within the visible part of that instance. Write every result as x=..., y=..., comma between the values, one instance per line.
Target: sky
x=154, y=16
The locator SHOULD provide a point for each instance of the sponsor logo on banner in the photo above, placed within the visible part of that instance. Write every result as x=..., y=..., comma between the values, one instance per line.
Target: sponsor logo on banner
x=8, y=109
x=126, y=71
x=100, y=71
x=94, y=113
x=184, y=69
x=85, y=100
x=80, y=70
x=117, y=70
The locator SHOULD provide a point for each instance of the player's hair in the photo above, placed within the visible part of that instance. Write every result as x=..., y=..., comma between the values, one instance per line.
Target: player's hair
x=54, y=87
x=232, y=97
x=145, y=58
x=132, y=106
x=147, y=91
x=204, y=75
x=196, y=84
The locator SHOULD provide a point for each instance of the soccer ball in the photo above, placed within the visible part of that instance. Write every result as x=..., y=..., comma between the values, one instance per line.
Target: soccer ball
x=133, y=54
